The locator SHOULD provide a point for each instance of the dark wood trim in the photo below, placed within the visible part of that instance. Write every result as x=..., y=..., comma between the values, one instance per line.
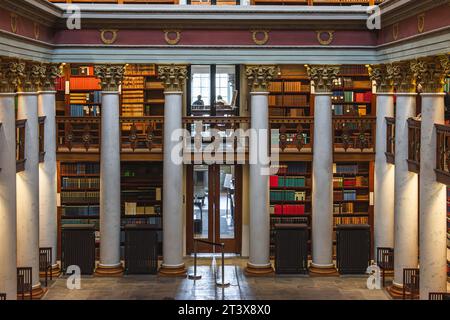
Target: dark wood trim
x=390, y=158
x=442, y=176
x=413, y=166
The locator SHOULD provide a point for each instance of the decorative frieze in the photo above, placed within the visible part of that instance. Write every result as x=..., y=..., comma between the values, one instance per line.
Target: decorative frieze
x=431, y=73
x=404, y=80
x=382, y=75
x=10, y=72
x=323, y=76
x=110, y=76
x=173, y=76
x=259, y=77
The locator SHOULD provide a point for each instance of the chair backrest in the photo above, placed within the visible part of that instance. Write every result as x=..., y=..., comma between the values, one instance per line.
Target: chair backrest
x=45, y=258
x=411, y=278
x=2, y=296
x=24, y=279
x=385, y=257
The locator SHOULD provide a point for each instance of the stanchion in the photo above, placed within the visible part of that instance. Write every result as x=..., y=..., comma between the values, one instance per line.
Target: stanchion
x=195, y=276
x=223, y=284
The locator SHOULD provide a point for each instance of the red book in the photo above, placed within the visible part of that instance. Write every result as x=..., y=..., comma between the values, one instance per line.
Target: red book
x=274, y=181
x=368, y=96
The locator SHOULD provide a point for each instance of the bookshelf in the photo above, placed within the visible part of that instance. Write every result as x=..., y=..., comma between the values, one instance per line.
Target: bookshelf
x=289, y=94
x=141, y=195
x=352, y=92
x=142, y=92
x=79, y=188
x=448, y=231
x=290, y=196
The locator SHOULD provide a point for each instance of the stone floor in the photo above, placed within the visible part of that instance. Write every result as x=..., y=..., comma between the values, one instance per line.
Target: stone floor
x=143, y=287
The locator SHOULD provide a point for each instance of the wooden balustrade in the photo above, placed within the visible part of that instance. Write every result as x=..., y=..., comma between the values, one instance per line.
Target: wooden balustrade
x=230, y=2
x=294, y=134
x=354, y=134
x=119, y=1
x=414, y=145
x=78, y=133
x=41, y=138
x=142, y=133
x=443, y=153
x=390, y=140
x=20, y=145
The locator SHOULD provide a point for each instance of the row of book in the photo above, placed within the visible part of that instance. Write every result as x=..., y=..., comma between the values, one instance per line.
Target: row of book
x=80, y=168
x=287, y=195
x=347, y=82
x=80, y=196
x=84, y=83
x=288, y=101
x=82, y=71
x=133, y=83
x=351, y=96
x=94, y=221
x=142, y=220
x=78, y=110
x=288, y=86
x=345, y=208
x=85, y=97
x=81, y=211
x=350, y=110
x=345, y=168
x=132, y=209
x=140, y=70
x=81, y=183
x=154, y=85
x=359, y=181
x=350, y=220
x=287, y=181
x=289, y=209
x=349, y=195
x=353, y=70
x=143, y=192
x=292, y=168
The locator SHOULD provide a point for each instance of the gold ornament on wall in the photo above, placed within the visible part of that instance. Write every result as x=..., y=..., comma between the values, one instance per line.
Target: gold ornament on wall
x=37, y=30
x=325, y=38
x=172, y=37
x=108, y=36
x=421, y=23
x=260, y=37
x=395, y=31
x=14, y=22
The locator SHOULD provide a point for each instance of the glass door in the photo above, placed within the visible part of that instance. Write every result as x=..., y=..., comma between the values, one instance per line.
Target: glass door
x=214, y=207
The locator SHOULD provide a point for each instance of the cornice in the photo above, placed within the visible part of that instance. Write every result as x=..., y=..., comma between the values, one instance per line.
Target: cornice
x=41, y=11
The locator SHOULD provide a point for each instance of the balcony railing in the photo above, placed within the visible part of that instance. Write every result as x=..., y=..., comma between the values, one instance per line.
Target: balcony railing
x=354, y=134
x=20, y=145
x=78, y=134
x=143, y=134
x=295, y=135
x=443, y=153
x=414, y=145
x=390, y=140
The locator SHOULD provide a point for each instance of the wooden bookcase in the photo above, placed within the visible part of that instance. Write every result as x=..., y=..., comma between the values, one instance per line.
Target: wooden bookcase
x=141, y=195
x=290, y=196
x=79, y=190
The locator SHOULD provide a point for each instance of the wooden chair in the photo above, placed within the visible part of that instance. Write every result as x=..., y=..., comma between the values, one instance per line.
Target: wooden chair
x=411, y=277
x=385, y=261
x=25, y=281
x=438, y=296
x=45, y=263
x=2, y=296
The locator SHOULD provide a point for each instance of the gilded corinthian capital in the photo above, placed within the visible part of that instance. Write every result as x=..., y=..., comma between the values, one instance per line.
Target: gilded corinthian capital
x=110, y=76
x=10, y=72
x=259, y=77
x=323, y=76
x=382, y=75
x=173, y=77
x=403, y=79
x=49, y=76
x=31, y=77
x=431, y=73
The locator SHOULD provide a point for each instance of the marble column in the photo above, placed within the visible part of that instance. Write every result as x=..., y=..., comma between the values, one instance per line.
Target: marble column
x=384, y=171
x=259, y=78
x=8, y=225
x=48, y=231
x=173, y=77
x=406, y=182
x=433, y=194
x=27, y=181
x=110, y=263
x=322, y=172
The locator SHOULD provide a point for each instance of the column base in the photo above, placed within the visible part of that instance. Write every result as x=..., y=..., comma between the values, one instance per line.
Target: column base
x=322, y=271
x=258, y=271
x=172, y=271
x=55, y=272
x=107, y=271
x=395, y=291
x=36, y=294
